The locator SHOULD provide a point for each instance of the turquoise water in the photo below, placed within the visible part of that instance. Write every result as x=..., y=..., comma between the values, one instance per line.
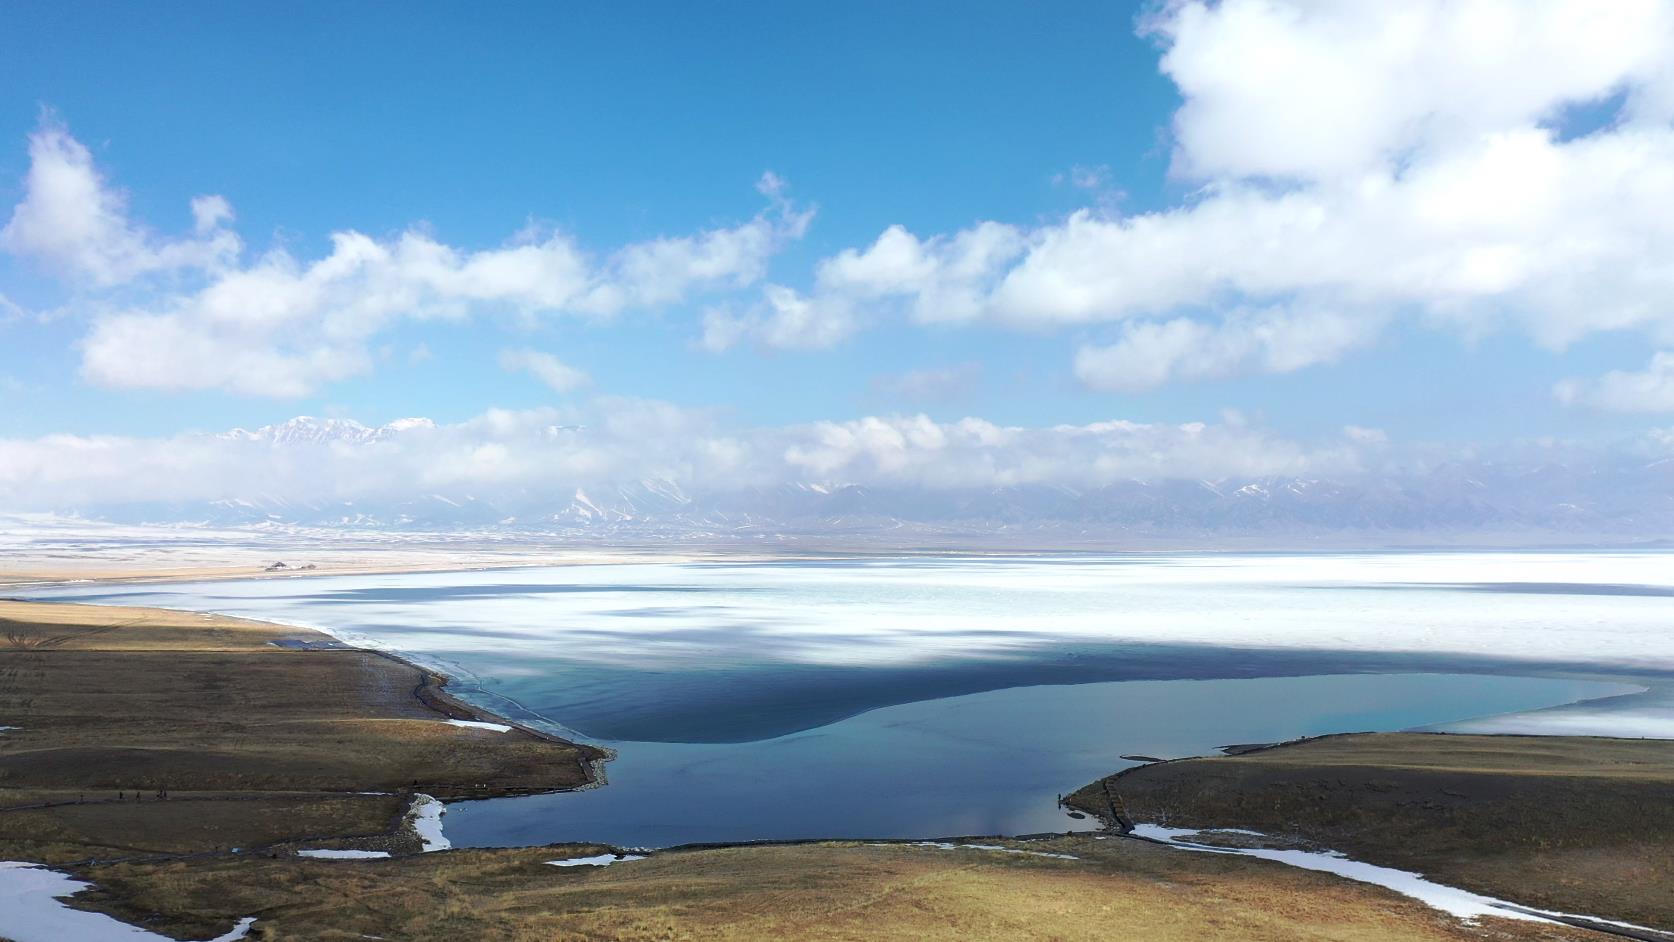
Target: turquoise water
x=986, y=763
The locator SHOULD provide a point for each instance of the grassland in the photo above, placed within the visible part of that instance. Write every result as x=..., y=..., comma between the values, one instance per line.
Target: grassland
x=147, y=731
x=1116, y=889
x=1574, y=824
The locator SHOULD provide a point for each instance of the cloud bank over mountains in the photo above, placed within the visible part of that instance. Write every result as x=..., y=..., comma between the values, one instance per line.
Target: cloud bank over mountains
x=652, y=471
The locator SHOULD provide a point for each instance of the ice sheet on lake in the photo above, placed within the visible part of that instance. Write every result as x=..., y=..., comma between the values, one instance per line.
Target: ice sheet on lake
x=1646, y=715
x=1605, y=608
x=32, y=910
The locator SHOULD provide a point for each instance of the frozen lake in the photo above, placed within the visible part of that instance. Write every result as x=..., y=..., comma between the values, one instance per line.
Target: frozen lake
x=934, y=696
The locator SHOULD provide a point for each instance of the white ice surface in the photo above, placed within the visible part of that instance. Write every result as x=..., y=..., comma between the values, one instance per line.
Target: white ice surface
x=331, y=853
x=1461, y=903
x=426, y=818
x=598, y=860
x=1579, y=719
x=475, y=724
x=32, y=910
x=1604, y=608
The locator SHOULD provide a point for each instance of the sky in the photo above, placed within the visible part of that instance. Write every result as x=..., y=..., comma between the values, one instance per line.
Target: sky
x=918, y=229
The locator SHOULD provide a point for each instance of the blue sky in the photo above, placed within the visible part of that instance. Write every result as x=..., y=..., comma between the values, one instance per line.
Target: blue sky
x=612, y=125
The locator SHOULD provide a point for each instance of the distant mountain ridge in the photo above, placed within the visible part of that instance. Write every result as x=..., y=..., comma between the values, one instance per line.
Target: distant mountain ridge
x=1536, y=503
x=306, y=429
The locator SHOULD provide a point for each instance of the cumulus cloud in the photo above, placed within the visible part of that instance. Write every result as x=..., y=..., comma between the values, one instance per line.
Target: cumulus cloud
x=1153, y=353
x=72, y=221
x=943, y=279
x=784, y=320
x=1647, y=390
x=606, y=441
x=1320, y=90
x=278, y=325
x=1430, y=159
x=555, y=373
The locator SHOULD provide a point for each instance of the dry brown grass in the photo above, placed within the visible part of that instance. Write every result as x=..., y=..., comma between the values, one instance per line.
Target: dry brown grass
x=1118, y=889
x=37, y=626
x=114, y=701
x=1570, y=823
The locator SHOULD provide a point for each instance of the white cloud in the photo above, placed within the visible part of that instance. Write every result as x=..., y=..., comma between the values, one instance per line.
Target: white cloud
x=291, y=326
x=784, y=320
x=946, y=279
x=527, y=454
x=555, y=373
x=281, y=326
x=73, y=222
x=1649, y=390
x=1083, y=177
x=1362, y=158
x=1153, y=353
x=977, y=453
x=1322, y=90
x=209, y=213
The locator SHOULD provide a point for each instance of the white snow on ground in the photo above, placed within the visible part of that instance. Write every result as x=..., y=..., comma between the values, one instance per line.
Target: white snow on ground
x=944, y=845
x=598, y=860
x=1460, y=903
x=5, y=728
x=330, y=853
x=426, y=818
x=32, y=910
x=474, y=724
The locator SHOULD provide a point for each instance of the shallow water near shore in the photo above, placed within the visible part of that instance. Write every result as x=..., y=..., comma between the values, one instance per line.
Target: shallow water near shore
x=940, y=696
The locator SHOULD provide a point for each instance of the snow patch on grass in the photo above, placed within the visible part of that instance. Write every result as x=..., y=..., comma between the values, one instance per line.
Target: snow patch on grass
x=1463, y=904
x=597, y=860
x=425, y=818
x=475, y=724
x=32, y=910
